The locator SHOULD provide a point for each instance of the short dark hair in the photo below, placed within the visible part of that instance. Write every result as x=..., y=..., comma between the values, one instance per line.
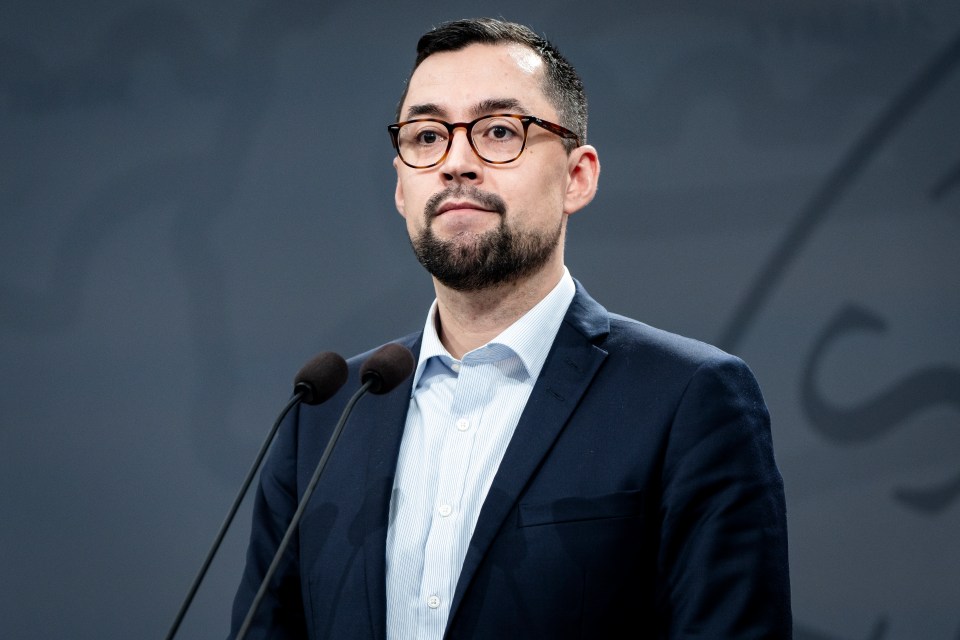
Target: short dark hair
x=561, y=84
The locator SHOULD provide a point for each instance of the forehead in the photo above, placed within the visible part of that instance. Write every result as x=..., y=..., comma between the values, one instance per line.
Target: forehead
x=456, y=82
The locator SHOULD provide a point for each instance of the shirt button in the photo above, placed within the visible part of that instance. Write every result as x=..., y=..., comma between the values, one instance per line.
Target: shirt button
x=445, y=510
x=433, y=602
x=463, y=424
x=455, y=366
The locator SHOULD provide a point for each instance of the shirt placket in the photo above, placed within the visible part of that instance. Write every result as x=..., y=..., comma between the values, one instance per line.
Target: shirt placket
x=442, y=552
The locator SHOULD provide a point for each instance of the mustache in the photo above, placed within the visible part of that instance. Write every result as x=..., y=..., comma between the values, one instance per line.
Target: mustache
x=490, y=201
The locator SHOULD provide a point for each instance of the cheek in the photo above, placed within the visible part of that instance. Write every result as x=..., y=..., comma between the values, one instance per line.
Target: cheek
x=410, y=197
x=541, y=198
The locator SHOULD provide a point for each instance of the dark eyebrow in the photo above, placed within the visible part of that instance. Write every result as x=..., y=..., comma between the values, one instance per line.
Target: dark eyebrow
x=498, y=105
x=491, y=105
x=427, y=109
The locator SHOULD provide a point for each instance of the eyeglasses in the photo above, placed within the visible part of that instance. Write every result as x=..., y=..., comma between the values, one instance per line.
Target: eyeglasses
x=498, y=139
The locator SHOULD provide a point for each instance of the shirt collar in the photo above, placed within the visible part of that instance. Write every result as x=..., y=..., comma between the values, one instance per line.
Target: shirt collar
x=530, y=337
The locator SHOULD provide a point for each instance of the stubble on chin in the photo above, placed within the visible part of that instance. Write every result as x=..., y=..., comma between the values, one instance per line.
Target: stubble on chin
x=477, y=261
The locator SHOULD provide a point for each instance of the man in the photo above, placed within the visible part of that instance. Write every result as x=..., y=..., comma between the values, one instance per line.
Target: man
x=550, y=470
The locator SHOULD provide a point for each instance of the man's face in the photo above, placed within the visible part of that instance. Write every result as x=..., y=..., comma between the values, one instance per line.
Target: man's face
x=473, y=224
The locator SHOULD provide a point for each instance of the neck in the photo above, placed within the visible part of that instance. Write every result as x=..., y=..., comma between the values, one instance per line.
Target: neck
x=467, y=320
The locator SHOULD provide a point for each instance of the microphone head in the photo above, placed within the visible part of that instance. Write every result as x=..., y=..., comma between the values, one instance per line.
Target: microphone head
x=320, y=378
x=387, y=367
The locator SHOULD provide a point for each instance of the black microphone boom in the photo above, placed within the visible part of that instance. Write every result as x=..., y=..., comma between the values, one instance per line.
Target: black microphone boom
x=382, y=372
x=316, y=382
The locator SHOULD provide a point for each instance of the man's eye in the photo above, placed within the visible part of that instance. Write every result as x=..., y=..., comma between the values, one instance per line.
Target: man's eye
x=499, y=131
x=428, y=137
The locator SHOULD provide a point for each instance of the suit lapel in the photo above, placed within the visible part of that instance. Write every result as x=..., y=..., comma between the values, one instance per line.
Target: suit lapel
x=570, y=367
x=384, y=422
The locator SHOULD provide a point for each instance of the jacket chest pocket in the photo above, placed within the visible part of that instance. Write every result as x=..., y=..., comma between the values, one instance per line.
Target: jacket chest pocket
x=623, y=504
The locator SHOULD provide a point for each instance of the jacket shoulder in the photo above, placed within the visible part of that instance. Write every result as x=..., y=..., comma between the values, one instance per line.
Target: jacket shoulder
x=632, y=338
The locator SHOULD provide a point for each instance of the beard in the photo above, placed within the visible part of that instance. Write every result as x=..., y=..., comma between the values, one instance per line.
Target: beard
x=477, y=261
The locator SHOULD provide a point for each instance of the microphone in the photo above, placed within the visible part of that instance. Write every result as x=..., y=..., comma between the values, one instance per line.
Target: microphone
x=389, y=365
x=381, y=373
x=320, y=378
x=317, y=381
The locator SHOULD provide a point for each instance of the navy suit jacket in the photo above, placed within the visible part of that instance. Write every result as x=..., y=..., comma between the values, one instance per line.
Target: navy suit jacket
x=639, y=497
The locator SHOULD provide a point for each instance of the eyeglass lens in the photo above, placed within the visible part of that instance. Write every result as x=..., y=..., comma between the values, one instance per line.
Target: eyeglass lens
x=494, y=138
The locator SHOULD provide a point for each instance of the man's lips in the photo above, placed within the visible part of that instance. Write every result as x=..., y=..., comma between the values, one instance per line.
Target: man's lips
x=465, y=201
x=459, y=206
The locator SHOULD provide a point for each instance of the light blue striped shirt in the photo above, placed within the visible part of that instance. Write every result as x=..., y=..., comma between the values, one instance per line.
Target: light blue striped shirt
x=462, y=415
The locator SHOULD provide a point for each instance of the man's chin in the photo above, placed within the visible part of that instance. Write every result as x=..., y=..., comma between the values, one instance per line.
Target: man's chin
x=455, y=228
x=464, y=243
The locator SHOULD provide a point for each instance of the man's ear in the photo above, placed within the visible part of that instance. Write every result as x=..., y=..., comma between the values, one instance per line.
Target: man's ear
x=583, y=167
x=398, y=194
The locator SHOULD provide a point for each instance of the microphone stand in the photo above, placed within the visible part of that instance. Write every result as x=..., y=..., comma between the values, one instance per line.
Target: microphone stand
x=233, y=512
x=291, y=528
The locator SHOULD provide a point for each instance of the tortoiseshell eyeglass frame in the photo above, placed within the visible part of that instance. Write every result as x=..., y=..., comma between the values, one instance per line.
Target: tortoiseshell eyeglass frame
x=525, y=121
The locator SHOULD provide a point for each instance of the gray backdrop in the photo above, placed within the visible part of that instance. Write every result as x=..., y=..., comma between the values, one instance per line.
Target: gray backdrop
x=196, y=197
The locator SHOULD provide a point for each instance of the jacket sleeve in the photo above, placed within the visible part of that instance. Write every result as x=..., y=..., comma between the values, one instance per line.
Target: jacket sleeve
x=723, y=558
x=280, y=614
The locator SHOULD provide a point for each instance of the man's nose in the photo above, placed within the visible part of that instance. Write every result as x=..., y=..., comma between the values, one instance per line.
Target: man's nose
x=461, y=163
